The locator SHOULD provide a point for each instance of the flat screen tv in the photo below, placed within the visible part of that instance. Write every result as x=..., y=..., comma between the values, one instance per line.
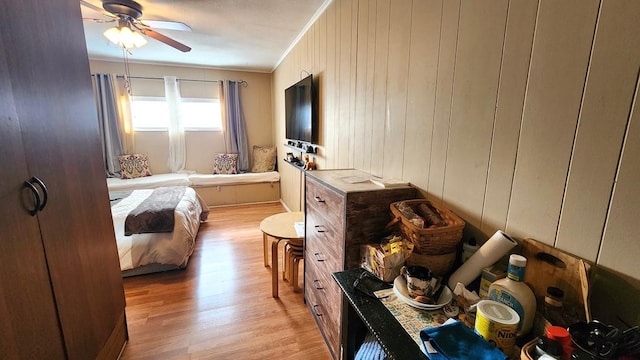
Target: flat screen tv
x=300, y=111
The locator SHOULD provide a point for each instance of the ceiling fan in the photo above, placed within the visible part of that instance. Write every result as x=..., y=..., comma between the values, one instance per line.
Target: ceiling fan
x=128, y=14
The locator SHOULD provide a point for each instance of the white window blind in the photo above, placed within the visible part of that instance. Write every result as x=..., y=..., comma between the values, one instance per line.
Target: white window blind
x=151, y=114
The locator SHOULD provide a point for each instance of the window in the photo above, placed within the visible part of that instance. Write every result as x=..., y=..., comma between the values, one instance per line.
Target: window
x=149, y=114
x=201, y=114
x=152, y=114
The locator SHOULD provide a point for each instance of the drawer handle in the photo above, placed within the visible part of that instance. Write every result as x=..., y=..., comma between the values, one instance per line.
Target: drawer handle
x=318, y=258
x=318, y=285
x=318, y=199
x=320, y=228
x=315, y=310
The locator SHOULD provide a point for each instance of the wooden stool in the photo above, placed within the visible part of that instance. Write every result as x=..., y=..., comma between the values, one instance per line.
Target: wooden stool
x=280, y=227
x=293, y=253
x=290, y=253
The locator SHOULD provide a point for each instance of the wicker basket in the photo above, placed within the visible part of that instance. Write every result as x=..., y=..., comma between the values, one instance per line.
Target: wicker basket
x=438, y=264
x=430, y=241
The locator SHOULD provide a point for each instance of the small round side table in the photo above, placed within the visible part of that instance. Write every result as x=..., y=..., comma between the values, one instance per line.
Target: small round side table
x=280, y=227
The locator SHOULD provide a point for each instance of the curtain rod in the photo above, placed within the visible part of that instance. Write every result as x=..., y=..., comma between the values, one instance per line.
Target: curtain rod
x=241, y=82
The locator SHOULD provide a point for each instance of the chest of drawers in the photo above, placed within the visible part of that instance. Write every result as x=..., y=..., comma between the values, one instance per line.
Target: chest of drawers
x=340, y=217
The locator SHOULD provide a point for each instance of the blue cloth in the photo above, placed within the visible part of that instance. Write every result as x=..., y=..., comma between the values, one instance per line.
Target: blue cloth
x=370, y=349
x=456, y=341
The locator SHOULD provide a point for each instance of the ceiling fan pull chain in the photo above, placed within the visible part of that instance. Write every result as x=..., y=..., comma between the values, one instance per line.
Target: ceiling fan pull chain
x=127, y=74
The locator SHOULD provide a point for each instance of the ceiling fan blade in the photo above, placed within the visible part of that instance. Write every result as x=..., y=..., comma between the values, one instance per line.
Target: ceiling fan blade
x=96, y=8
x=165, y=39
x=167, y=25
x=100, y=21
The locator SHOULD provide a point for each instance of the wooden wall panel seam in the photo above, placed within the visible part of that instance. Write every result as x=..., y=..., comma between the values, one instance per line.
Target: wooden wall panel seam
x=516, y=57
x=604, y=115
x=435, y=99
x=436, y=191
x=575, y=131
x=632, y=110
x=524, y=105
x=397, y=85
x=475, y=86
x=360, y=86
x=380, y=94
x=352, y=88
x=495, y=114
x=557, y=81
x=369, y=96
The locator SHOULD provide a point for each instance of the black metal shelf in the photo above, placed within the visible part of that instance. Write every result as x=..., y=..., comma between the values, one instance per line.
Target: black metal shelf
x=304, y=148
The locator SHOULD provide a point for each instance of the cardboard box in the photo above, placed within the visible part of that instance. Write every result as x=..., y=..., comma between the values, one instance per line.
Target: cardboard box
x=386, y=260
x=489, y=275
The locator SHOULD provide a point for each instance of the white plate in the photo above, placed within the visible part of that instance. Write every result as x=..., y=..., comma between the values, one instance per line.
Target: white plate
x=400, y=289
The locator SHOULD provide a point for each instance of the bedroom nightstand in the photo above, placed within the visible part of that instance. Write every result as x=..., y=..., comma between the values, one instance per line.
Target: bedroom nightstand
x=280, y=227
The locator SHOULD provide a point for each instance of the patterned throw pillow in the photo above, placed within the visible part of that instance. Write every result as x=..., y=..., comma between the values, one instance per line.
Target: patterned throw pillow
x=225, y=164
x=264, y=159
x=134, y=166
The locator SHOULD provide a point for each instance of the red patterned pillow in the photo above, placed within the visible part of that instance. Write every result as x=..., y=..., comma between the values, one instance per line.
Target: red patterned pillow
x=225, y=164
x=134, y=166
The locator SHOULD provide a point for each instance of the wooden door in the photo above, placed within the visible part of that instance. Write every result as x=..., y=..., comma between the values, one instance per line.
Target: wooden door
x=28, y=320
x=49, y=71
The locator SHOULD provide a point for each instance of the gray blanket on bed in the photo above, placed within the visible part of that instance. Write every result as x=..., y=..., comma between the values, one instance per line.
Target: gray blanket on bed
x=155, y=213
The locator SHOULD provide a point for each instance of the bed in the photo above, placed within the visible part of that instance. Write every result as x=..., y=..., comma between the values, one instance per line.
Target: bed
x=154, y=244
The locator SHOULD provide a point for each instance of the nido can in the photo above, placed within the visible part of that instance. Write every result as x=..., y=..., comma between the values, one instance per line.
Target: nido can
x=497, y=323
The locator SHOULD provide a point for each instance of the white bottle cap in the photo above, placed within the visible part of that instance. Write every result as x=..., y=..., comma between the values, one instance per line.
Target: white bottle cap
x=518, y=260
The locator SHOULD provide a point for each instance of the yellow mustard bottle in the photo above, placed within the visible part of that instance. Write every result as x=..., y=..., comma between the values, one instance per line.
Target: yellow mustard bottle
x=513, y=292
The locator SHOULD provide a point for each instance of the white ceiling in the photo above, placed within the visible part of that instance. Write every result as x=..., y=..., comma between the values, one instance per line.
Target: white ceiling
x=250, y=35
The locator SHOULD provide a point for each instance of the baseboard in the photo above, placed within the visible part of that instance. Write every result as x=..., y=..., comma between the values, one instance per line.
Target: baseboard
x=244, y=204
x=285, y=206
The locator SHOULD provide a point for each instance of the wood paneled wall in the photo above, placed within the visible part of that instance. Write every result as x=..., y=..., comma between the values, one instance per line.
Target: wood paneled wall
x=518, y=115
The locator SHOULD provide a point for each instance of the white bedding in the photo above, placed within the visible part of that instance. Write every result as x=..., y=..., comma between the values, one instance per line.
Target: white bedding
x=148, y=182
x=183, y=179
x=158, y=248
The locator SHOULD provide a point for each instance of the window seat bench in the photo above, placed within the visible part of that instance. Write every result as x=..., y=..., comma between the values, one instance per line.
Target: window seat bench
x=233, y=189
x=218, y=189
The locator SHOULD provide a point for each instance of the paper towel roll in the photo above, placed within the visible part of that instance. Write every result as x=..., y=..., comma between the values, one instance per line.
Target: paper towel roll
x=489, y=253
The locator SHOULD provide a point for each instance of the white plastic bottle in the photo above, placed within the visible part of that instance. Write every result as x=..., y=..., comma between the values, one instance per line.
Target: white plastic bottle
x=469, y=248
x=513, y=292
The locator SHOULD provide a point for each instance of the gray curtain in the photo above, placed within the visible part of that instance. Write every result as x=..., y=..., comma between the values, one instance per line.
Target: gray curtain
x=235, y=127
x=104, y=91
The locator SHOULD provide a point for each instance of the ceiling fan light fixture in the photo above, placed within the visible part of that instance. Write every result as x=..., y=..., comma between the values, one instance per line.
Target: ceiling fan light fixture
x=132, y=30
x=125, y=37
x=138, y=40
x=113, y=34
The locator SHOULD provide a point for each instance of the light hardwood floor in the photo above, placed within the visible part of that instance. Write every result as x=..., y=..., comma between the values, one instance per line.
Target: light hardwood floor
x=220, y=307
